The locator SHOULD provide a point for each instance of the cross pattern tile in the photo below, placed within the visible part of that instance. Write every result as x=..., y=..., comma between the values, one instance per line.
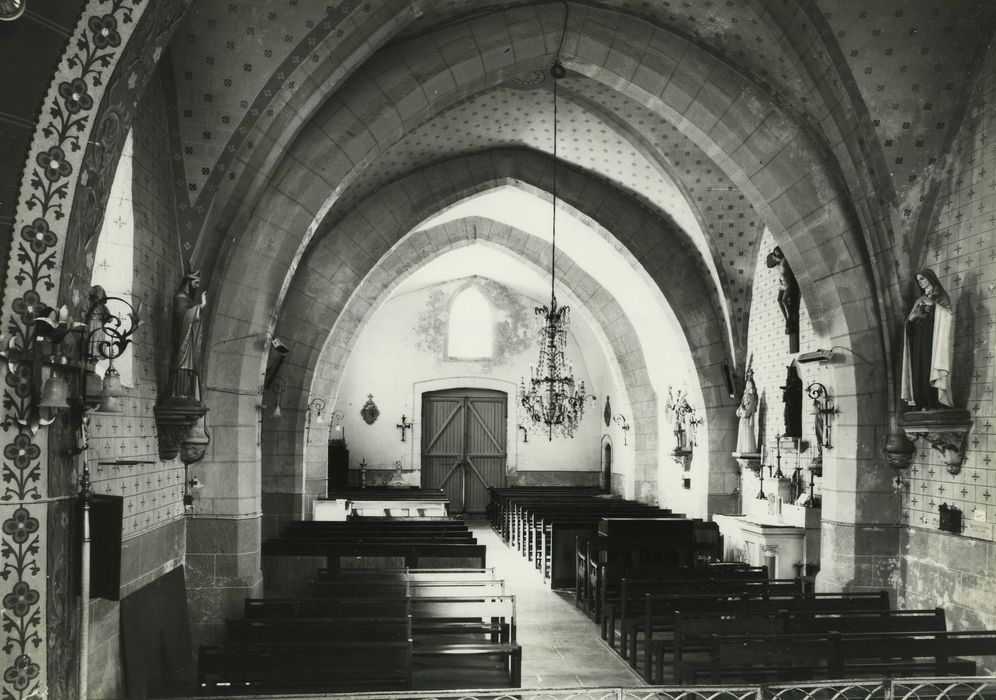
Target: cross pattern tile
x=961, y=249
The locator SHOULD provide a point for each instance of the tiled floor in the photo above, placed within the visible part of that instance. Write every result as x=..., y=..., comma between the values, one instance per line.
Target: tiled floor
x=561, y=647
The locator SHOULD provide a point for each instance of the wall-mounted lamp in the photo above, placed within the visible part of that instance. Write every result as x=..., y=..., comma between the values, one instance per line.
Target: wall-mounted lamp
x=71, y=349
x=624, y=425
x=404, y=426
x=276, y=388
x=525, y=433
x=823, y=411
x=338, y=433
x=315, y=408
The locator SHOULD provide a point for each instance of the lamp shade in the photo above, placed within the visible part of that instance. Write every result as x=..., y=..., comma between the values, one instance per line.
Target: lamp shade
x=112, y=383
x=109, y=404
x=54, y=392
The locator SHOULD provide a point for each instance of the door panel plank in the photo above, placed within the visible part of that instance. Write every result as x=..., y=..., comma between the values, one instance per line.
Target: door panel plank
x=464, y=433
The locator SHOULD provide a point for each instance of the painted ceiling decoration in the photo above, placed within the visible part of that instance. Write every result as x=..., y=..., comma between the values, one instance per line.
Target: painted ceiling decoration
x=241, y=63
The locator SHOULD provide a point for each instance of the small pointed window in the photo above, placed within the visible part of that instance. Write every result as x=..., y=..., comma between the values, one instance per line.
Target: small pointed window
x=470, y=330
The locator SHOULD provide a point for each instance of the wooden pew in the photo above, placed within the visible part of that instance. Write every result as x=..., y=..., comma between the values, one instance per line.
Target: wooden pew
x=391, y=555
x=496, y=614
x=693, y=632
x=407, y=574
x=404, y=588
x=280, y=630
x=452, y=659
x=500, y=497
x=832, y=655
x=673, y=547
x=659, y=611
x=616, y=600
x=347, y=666
x=457, y=647
x=632, y=593
x=533, y=516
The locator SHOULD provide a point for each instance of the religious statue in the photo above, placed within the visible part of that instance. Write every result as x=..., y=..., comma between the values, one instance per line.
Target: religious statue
x=792, y=396
x=928, y=346
x=188, y=304
x=746, y=442
x=788, y=295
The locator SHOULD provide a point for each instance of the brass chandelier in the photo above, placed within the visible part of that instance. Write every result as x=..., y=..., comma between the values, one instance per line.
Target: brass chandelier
x=554, y=398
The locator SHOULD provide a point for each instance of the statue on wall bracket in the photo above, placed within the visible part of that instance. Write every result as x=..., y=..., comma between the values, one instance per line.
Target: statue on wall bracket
x=792, y=397
x=180, y=416
x=928, y=358
x=788, y=296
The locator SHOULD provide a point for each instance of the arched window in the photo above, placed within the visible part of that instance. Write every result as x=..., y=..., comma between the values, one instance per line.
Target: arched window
x=113, y=263
x=470, y=329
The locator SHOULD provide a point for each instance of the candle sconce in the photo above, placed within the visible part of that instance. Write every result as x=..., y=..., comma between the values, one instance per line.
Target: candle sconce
x=624, y=425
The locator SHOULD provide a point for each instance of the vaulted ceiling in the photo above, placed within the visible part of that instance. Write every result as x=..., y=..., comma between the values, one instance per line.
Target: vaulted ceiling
x=884, y=80
x=897, y=66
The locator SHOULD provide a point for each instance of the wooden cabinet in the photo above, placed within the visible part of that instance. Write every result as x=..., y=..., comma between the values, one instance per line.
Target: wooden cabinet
x=338, y=466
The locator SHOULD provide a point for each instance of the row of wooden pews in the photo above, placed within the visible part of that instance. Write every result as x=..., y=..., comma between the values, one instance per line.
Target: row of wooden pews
x=544, y=524
x=652, y=582
x=369, y=605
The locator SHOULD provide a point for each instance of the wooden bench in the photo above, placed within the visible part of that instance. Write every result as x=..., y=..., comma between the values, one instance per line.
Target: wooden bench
x=500, y=498
x=456, y=673
x=534, y=516
x=494, y=615
x=693, y=632
x=280, y=630
x=659, y=612
x=832, y=655
x=381, y=502
x=632, y=593
x=458, y=646
x=407, y=574
x=675, y=550
x=614, y=600
x=340, y=555
x=403, y=588
x=348, y=666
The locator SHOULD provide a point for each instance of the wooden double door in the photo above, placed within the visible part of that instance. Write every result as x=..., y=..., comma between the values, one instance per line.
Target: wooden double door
x=464, y=437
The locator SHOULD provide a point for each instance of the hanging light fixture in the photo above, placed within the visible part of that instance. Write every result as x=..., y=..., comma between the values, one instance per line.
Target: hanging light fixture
x=554, y=398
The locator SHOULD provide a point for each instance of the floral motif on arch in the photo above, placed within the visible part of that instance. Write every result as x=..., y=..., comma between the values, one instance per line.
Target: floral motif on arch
x=48, y=187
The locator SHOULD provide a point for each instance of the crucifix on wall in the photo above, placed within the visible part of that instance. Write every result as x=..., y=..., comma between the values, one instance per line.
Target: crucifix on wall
x=403, y=426
x=788, y=295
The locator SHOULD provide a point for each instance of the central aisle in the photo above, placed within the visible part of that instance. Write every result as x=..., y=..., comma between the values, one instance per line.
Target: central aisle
x=561, y=647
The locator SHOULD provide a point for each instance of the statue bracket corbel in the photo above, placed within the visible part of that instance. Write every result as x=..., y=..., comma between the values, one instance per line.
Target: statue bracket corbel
x=748, y=460
x=945, y=430
x=176, y=420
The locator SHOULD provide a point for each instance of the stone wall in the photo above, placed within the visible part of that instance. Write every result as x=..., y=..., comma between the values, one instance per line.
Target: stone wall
x=123, y=451
x=958, y=571
x=768, y=355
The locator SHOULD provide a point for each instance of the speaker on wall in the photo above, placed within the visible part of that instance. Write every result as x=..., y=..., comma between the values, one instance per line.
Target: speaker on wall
x=106, y=514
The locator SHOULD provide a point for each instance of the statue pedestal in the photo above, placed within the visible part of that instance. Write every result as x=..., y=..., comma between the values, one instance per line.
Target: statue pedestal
x=175, y=419
x=945, y=429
